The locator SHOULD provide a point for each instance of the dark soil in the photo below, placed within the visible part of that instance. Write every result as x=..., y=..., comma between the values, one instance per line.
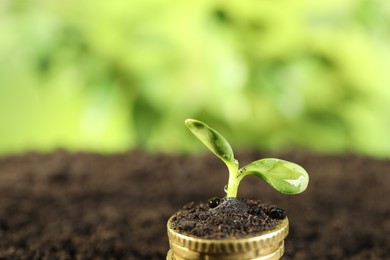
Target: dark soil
x=230, y=218
x=91, y=206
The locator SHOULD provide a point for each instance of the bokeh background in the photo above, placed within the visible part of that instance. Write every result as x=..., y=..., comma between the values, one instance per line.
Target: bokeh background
x=110, y=76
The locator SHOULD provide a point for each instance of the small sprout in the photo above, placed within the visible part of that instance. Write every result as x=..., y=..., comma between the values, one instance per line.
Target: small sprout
x=214, y=202
x=277, y=213
x=286, y=177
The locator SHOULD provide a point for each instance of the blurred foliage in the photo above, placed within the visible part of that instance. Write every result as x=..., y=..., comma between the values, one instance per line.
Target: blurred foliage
x=115, y=75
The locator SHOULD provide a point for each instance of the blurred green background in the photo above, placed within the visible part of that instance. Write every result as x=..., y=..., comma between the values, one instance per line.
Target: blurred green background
x=111, y=76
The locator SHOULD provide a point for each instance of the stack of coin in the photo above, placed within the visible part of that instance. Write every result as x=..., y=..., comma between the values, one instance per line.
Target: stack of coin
x=268, y=245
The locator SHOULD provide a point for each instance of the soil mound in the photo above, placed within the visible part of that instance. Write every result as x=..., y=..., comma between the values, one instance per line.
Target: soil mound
x=237, y=218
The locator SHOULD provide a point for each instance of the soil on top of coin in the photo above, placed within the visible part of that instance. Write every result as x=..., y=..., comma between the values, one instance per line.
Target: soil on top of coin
x=226, y=218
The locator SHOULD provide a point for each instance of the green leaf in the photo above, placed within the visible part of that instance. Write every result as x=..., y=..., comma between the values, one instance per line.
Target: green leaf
x=212, y=139
x=284, y=176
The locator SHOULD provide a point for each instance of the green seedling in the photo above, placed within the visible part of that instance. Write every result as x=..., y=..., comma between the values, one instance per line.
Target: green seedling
x=286, y=177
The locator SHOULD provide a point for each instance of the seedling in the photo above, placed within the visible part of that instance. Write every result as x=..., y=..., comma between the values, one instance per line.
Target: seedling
x=286, y=177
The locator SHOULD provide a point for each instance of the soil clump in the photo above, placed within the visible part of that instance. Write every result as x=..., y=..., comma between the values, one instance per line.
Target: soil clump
x=231, y=218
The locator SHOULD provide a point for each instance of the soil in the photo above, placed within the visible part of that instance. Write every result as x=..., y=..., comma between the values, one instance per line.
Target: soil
x=92, y=206
x=226, y=218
